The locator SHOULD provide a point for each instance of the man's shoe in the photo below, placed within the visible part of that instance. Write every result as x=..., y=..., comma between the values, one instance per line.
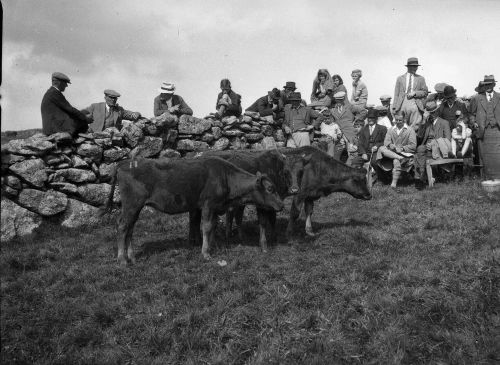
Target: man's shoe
x=419, y=185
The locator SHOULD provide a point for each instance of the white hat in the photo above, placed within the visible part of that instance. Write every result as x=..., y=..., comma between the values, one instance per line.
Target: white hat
x=339, y=95
x=167, y=88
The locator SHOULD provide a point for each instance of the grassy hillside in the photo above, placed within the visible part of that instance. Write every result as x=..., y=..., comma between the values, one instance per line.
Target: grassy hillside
x=406, y=278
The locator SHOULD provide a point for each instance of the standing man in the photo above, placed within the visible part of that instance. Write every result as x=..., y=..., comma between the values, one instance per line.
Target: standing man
x=167, y=101
x=108, y=113
x=297, y=123
x=451, y=105
x=287, y=90
x=409, y=94
x=485, y=113
x=57, y=113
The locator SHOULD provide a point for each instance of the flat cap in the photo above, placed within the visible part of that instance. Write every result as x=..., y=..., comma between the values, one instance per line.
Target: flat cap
x=61, y=76
x=112, y=93
x=385, y=97
x=431, y=106
x=439, y=87
x=339, y=95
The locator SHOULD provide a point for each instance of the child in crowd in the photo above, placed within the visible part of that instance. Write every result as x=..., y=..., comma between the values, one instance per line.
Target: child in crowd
x=354, y=159
x=460, y=138
x=330, y=131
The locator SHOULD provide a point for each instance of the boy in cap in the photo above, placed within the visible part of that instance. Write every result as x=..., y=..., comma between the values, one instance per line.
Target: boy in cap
x=228, y=102
x=168, y=102
x=108, y=113
x=57, y=113
x=330, y=131
x=268, y=105
x=298, y=122
x=385, y=100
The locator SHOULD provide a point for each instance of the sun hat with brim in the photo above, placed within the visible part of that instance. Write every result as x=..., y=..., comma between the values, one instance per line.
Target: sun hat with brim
x=167, y=88
x=489, y=79
x=61, y=76
x=295, y=96
x=339, y=95
x=431, y=106
x=412, y=61
x=112, y=93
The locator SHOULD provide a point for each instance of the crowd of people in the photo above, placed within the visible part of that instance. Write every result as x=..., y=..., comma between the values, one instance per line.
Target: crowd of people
x=398, y=135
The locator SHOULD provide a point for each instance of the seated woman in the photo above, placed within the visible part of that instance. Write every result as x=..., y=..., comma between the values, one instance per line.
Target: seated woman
x=322, y=90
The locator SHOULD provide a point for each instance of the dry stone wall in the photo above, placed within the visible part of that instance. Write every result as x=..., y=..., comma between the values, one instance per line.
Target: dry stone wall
x=67, y=179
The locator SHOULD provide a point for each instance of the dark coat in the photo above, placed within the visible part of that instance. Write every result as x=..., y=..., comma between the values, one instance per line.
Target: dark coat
x=366, y=142
x=234, y=108
x=263, y=107
x=441, y=130
x=478, y=107
x=160, y=106
x=59, y=116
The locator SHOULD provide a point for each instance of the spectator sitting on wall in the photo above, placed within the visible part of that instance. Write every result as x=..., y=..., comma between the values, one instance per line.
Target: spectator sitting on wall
x=228, y=102
x=268, y=105
x=168, y=102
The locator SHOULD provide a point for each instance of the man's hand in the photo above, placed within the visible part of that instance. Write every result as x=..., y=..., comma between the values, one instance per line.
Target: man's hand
x=411, y=95
x=135, y=115
x=364, y=156
x=287, y=129
x=399, y=149
x=392, y=147
x=173, y=109
x=374, y=149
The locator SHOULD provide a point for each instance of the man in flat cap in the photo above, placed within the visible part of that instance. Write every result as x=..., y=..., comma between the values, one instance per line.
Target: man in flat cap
x=268, y=105
x=438, y=95
x=298, y=122
x=228, y=102
x=168, y=102
x=410, y=93
x=108, y=113
x=385, y=100
x=57, y=113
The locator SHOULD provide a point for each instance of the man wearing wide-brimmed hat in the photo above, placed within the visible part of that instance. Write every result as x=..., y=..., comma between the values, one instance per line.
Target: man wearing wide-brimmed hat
x=450, y=105
x=410, y=93
x=485, y=113
x=168, y=102
x=297, y=123
x=433, y=141
x=57, y=113
x=287, y=90
x=108, y=113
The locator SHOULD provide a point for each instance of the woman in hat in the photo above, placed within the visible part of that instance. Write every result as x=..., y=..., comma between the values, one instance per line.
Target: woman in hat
x=322, y=90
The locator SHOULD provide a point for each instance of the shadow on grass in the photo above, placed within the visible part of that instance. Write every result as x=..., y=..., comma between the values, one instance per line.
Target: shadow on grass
x=349, y=222
x=150, y=248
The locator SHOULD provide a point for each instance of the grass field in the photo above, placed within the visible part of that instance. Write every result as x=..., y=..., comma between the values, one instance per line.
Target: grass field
x=409, y=277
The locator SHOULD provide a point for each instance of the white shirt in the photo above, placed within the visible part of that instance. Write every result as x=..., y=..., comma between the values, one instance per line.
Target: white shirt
x=385, y=121
x=398, y=131
x=408, y=80
x=489, y=95
x=372, y=127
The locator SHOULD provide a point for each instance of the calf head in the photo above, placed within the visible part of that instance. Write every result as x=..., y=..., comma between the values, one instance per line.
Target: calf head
x=265, y=194
x=294, y=169
x=357, y=184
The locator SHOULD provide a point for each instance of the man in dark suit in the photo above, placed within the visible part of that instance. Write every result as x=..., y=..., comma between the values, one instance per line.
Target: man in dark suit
x=57, y=113
x=485, y=114
x=228, y=102
x=371, y=137
x=108, y=113
x=270, y=104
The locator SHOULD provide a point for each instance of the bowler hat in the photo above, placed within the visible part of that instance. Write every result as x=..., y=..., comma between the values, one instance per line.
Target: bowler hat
x=295, y=96
x=61, y=76
x=274, y=94
x=112, y=93
x=167, y=88
x=290, y=85
x=225, y=83
x=372, y=113
x=489, y=79
x=449, y=91
x=412, y=61
x=431, y=106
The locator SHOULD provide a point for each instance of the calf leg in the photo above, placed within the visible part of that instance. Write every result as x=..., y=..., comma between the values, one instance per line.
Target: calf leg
x=229, y=224
x=238, y=219
x=271, y=218
x=207, y=226
x=262, y=217
x=194, y=227
x=126, y=228
x=294, y=215
x=308, y=209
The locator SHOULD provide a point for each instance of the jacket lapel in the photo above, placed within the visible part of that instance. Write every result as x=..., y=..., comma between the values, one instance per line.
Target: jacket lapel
x=495, y=99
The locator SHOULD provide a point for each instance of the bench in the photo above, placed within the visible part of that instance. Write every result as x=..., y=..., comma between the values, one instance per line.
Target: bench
x=467, y=163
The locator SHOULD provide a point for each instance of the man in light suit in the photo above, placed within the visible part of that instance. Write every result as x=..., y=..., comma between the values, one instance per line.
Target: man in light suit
x=409, y=94
x=108, y=113
x=57, y=113
x=485, y=115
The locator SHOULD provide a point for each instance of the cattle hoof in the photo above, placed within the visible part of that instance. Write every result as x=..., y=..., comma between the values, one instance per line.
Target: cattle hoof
x=310, y=233
x=264, y=250
x=207, y=256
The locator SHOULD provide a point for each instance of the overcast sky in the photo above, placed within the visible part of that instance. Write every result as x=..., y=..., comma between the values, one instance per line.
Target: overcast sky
x=133, y=46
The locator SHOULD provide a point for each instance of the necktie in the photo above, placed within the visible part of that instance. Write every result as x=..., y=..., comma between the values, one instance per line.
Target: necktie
x=408, y=89
x=340, y=109
x=489, y=96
